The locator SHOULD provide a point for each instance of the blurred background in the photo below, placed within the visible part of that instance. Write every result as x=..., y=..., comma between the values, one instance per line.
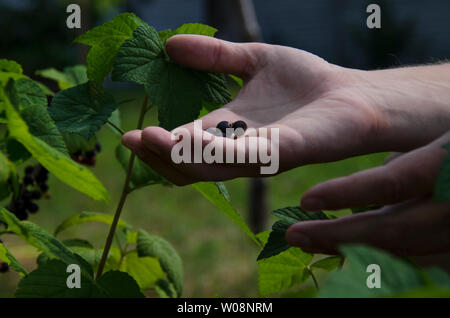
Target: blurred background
x=218, y=258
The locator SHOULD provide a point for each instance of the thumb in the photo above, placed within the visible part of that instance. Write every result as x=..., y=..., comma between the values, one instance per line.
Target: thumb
x=209, y=54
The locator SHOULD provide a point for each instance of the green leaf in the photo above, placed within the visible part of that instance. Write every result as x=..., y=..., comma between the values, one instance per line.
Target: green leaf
x=327, y=264
x=24, y=93
x=57, y=163
x=188, y=28
x=28, y=97
x=283, y=271
x=6, y=256
x=50, y=281
x=4, y=168
x=238, y=80
x=145, y=270
x=114, y=119
x=43, y=241
x=82, y=109
x=10, y=66
x=71, y=76
x=142, y=60
x=396, y=275
x=442, y=186
x=105, y=40
x=17, y=153
x=87, y=217
x=214, y=193
x=142, y=175
x=155, y=246
x=289, y=215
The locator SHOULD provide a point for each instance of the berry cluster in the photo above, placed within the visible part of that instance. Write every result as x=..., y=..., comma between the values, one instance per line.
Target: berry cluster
x=87, y=157
x=33, y=186
x=4, y=267
x=229, y=130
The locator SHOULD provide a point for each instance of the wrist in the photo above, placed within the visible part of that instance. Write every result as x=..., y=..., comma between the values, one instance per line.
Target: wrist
x=412, y=105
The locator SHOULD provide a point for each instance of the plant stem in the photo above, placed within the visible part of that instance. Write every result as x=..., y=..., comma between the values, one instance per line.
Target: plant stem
x=123, y=197
x=313, y=278
x=115, y=127
x=341, y=262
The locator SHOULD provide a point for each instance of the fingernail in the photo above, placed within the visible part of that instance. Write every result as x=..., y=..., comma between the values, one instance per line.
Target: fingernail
x=313, y=204
x=295, y=238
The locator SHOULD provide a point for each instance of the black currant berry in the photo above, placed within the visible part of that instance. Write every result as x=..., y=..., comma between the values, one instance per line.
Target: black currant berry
x=41, y=177
x=89, y=154
x=32, y=207
x=26, y=195
x=21, y=214
x=240, y=124
x=27, y=180
x=223, y=125
x=29, y=170
x=4, y=267
x=36, y=195
x=43, y=187
x=98, y=147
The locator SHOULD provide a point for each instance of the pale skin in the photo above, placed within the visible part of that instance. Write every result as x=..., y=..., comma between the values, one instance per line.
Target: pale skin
x=327, y=113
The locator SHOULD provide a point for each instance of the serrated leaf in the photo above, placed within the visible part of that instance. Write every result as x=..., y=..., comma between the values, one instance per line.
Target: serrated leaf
x=283, y=271
x=105, y=40
x=188, y=28
x=6, y=256
x=442, y=186
x=37, y=237
x=82, y=109
x=145, y=270
x=289, y=215
x=396, y=275
x=50, y=281
x=28, y=97
x=142, y=60
x=327, y=263
x=17, y=153
x=61, y=166
x=4, y=167
x=71, y=76
x=87, y=217
x=155, y=246
x=142, y=175
x=10, y=66
x=216, y=196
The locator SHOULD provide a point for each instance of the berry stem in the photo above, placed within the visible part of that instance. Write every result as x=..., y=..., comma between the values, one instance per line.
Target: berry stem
x=123, y=197
x=119, y=130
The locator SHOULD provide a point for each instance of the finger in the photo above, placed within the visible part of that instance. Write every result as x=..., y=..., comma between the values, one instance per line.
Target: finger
x=214, y=55
x=232, y=157
x=408, y=176
x=132, y=140
x=415, y=227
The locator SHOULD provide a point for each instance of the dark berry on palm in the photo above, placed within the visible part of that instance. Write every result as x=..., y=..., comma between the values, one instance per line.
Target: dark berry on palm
x=29, y=170
x=36, y=195
x=223, y=125
x=32, y=207
x=240, y=124
x=27, y=180
x=43, y=187
x=4, y=267
x=98, y=147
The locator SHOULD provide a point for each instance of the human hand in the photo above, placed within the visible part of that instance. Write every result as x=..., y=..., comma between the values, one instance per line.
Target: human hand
x=413, y=225
x=323, y=112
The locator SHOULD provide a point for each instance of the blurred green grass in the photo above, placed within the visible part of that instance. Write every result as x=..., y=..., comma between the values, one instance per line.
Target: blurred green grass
x=218, y=258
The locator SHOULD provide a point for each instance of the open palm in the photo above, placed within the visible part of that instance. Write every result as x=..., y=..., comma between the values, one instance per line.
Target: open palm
x=319, y=116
